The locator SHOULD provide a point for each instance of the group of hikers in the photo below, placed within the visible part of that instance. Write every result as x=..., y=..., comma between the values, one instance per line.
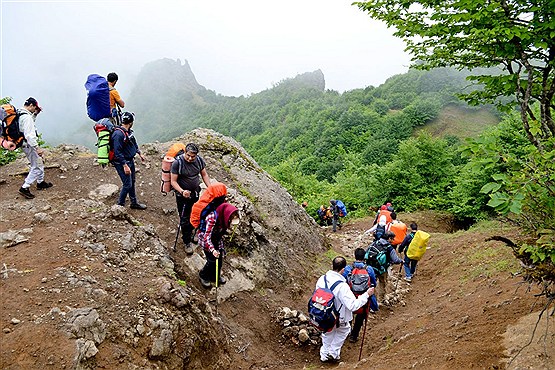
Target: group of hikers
x=187, y=170
x=344, y=291
x=346, y=294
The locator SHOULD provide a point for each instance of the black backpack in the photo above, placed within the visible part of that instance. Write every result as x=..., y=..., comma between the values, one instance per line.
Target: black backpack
x=359, y=280
x=379, y=232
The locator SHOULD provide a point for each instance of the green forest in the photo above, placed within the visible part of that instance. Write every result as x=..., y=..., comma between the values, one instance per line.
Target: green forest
x=364, y=146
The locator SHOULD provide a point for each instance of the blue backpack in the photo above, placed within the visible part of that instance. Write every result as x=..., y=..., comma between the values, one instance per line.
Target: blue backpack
x=98, y=97
x=322, y=312
x=342, y=208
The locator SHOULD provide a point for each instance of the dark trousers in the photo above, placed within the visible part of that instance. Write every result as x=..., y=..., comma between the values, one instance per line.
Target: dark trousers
x=128, y=184
x=208, y=272
x=358, y=321
x=184, y=207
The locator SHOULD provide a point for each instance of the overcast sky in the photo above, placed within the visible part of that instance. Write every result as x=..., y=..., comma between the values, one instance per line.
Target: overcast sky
x=233, y=47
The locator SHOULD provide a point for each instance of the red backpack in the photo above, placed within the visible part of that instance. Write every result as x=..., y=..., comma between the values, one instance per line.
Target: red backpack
x=359, y=282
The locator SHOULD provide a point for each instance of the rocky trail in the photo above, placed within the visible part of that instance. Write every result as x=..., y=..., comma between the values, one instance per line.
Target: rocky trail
x=85, y=284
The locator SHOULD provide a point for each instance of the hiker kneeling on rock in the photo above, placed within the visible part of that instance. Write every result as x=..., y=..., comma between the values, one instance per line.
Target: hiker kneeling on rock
x=211, y=239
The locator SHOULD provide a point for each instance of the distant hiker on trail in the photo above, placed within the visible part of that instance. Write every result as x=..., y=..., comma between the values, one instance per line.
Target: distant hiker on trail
x=304, y=205
x=414, y=246
x=380, y=255
x=185, y=171
x=346, y=302
x=324, y=216
x=31, y=148
x=116, y=102
x=361, y=278
x=336, y=212
x=385, y=210
x=211, y=239
x=125, y=148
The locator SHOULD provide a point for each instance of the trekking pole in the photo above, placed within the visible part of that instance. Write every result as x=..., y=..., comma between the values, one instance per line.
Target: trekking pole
x=363, y=334
x=398, y=277
x=178, y=228
x=217, y=281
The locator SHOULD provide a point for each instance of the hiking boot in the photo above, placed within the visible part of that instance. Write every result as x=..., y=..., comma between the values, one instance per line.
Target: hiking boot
x=43, y=185
x=205, y=283
x=138, y=206
x=189, y=248
x=222, y=280
x=330, y=359
x=26, y=193
x=408, y=279
x=353, y=339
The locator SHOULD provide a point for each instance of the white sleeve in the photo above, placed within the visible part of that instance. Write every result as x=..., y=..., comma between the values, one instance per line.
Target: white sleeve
x=27, y=127
x=348, y=299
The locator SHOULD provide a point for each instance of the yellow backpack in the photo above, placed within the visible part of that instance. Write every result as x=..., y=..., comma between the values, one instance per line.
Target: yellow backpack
x=417, y=246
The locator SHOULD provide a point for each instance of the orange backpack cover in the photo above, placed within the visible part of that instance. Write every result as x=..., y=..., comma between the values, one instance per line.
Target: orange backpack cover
x=400, y=230
x=212, y=192
x=174, y=149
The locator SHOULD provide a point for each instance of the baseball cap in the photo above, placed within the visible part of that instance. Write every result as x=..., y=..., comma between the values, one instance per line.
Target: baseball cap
x=32, y=101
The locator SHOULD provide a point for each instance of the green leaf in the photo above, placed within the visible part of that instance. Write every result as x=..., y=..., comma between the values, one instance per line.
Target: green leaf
x=490, y=187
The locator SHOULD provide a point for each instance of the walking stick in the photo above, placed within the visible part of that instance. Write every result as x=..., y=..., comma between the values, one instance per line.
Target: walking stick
x=217, y=281
x=399, y=277
x=178, y=228
x=363, y=334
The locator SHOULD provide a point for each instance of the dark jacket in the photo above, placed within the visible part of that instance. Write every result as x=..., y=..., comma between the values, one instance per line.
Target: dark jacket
x=125, y=146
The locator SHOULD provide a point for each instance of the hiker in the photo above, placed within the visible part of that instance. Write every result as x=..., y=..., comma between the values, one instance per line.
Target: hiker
x=335, y=221
x=211, y=239
x=324, y=216
x=346, y=302
x=399, y=229
x=385, y=210
x=368, y=282
x=185, y=171
x=378, y=230
x=304, y=204
x=31, y=148
x=409, y=264
x=125, y=148
x=381, y=261
x=116, y=102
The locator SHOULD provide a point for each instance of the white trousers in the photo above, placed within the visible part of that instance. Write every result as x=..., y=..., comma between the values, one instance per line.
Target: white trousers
x=333, y=341
x=36, y=172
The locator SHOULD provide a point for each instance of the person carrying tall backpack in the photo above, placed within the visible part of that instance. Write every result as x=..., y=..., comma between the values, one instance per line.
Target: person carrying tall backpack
x=346, y=303
x=361, y=278
x=380, y=255
x=336, y=212
x=414, y=246
x=399, y=229
x=116, y=102
x=185, y=181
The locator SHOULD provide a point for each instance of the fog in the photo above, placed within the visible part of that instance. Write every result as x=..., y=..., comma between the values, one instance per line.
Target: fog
x=48, y=48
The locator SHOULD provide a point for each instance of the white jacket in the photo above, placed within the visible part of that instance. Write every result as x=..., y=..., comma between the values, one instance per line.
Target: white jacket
x=345, y=300
x=27, y=128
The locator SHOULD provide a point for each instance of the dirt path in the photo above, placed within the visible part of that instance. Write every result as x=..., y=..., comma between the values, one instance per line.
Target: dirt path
x=461, y=311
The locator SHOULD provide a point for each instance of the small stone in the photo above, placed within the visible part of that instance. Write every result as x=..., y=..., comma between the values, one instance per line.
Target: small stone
x=7, y=330
x=15, y=321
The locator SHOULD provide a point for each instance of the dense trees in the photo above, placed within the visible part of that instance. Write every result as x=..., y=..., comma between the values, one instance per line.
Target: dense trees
x=518, y=36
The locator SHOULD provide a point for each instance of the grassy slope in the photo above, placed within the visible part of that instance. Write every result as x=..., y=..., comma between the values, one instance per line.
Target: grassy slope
x=460, y=122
